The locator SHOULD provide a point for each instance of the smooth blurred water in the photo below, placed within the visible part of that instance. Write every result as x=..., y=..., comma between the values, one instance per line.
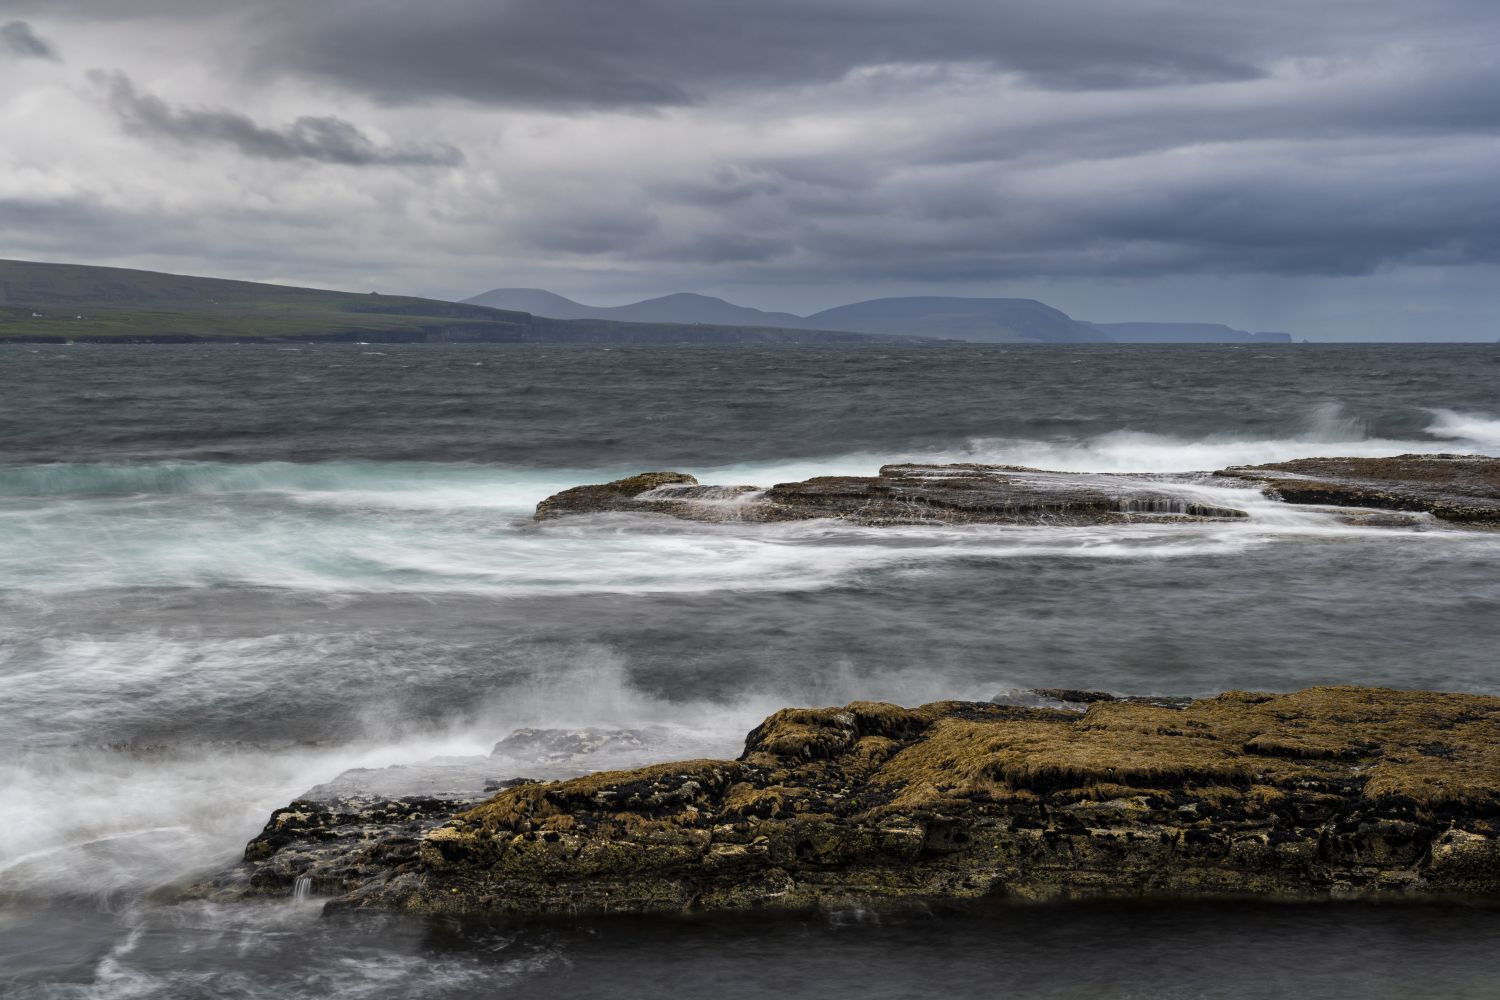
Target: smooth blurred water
x=229, y=573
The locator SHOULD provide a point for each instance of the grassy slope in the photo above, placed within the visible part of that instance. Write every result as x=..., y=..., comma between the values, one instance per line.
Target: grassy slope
x=63, y=302
x=80, y=302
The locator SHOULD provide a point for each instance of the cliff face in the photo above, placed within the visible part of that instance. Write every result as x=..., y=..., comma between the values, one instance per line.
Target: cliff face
x=1328, y=792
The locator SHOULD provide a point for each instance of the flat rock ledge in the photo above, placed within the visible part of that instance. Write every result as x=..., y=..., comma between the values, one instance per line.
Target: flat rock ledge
x=1338, y=792
x=1459, y=488
x=902, y=494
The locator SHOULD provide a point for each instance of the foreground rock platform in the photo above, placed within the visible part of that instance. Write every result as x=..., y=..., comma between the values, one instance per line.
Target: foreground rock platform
x=1338, y=792
x=903, y=494
x=1460, y=488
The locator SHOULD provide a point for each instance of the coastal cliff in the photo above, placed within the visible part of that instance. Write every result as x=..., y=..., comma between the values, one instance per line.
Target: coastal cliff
x=1340, y=792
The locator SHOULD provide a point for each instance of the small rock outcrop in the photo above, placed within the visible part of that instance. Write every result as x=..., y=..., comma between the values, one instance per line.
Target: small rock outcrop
x=903, y=494
x=1324, y=793
x=1460, y=488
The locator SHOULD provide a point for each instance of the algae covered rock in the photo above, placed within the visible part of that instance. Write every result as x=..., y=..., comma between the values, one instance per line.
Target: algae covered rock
x=1460, y=488
x=1327, y=792
x=904, y=494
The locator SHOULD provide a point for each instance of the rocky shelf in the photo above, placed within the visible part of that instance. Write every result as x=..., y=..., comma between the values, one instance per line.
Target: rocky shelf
x=1457, y=488
x=903, y=494
x=1340, y=792
x=1461, y=488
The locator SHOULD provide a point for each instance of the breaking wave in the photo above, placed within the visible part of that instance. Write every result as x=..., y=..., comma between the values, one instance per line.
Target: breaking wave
x=361, y=527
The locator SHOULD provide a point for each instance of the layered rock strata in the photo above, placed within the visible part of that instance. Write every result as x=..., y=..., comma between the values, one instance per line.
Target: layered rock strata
x=903, y=494
x=1325, y=793
x=1460, y=488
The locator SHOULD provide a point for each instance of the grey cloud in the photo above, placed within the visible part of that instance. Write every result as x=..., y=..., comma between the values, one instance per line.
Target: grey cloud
x=583, y=226
x=323, y=139
x=864, y=143
x=654, y=53
x=19, y=39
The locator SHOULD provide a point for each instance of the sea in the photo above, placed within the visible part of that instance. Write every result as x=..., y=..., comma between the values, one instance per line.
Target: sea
x=231, y=573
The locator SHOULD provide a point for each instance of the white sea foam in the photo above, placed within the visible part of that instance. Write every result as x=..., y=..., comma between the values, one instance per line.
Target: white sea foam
x=98, y=820
x=356, y=527
x=1479, y=430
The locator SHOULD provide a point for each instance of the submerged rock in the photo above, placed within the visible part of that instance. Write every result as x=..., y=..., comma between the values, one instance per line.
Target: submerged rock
x=1462, y=488
x=1327, y=792
x=903, y=494
x=556, y=745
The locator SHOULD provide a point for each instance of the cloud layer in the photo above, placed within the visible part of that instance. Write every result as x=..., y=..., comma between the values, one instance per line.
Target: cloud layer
x=325, y=139
x=18, y=39
x=790, y=153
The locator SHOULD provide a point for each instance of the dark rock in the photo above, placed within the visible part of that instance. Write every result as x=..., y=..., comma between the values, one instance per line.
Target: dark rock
x=337, y=845
x=622, y=494
x=903, y=494
x=1461, y=488
x=1324, y=793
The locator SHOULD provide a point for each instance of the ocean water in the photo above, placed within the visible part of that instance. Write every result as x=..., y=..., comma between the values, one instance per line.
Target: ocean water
x=230, y=573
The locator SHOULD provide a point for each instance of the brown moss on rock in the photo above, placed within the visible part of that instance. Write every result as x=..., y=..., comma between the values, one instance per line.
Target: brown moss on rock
x=1339, y=791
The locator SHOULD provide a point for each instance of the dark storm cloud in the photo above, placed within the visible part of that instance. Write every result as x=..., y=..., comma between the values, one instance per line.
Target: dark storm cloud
x=324, y=139
x=19, y=39
x=817, y=142
x=648, y=53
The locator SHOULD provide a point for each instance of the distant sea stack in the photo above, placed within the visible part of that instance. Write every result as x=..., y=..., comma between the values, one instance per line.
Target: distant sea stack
x=976, y=320
x=1327, y=793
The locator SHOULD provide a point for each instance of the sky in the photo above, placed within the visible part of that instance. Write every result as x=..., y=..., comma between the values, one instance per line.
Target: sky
x=1330, y=169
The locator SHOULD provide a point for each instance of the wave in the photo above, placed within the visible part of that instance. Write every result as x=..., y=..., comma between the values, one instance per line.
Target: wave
x=1327, y=431
x=348, y=527
x=1477, y=429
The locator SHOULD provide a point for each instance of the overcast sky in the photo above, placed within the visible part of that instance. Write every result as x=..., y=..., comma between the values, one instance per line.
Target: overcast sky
x=1330, y=168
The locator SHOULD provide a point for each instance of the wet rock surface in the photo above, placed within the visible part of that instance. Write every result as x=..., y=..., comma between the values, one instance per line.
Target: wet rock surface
x=1461, y=488
x=366, y=823
x=566, y=744
x=1324, y=793
x=903, y=494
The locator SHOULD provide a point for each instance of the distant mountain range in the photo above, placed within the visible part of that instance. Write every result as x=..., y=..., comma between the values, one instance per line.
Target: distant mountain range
x=979, y=320
x=68, y=303
x=44, y=302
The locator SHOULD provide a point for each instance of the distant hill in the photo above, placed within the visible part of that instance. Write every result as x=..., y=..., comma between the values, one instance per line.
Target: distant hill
x=41, y=303
x=978, y=320
x=1185, y=333
x=536, y=301
x=684, y=307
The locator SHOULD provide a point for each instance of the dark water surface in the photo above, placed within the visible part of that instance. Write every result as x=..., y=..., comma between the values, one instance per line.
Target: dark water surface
x=228, y=574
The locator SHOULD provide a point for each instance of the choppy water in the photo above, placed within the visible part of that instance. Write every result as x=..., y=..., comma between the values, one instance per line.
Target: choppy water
x=229, y=573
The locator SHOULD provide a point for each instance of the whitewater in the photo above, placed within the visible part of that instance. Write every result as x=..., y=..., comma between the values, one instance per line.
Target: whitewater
x=229, y=574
